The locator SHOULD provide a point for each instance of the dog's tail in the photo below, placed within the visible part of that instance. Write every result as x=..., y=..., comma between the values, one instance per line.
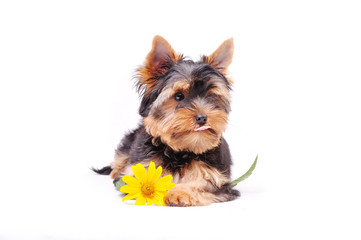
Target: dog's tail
x=103, y=171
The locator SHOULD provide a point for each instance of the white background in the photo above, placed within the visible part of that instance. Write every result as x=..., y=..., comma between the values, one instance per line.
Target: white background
x=66, y=99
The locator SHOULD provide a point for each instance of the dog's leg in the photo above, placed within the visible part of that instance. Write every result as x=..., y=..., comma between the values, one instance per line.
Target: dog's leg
x=119, y=163
x=200, y=185
x=185, y=195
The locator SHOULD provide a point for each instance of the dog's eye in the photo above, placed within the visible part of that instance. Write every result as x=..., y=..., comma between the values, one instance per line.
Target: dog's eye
x=179, y=96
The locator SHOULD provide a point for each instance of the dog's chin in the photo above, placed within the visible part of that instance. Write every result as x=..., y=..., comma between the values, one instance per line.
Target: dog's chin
x=181, y=136
x=198, y=142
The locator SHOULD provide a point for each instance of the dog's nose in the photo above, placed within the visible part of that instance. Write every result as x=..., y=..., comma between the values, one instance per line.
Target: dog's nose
x=201, y=119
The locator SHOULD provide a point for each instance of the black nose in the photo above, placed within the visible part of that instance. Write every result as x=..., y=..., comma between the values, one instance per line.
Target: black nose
x=201, y=119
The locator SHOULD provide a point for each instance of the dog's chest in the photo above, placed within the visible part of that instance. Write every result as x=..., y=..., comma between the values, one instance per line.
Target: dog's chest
x=176, y=161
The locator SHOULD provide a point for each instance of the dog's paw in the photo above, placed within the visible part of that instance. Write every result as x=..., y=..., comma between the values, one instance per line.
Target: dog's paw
x=179, y=198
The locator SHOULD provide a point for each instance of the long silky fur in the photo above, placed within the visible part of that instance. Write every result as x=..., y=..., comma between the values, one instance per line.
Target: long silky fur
x=199, y=162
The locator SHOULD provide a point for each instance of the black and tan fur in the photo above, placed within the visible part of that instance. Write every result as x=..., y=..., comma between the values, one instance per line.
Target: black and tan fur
x=174, y=90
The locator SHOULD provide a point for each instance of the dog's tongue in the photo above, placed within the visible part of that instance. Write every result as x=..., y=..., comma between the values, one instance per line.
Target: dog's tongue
x=202, y=128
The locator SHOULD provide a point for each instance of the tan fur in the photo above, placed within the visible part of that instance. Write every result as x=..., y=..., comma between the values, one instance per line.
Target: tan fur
x=221, y=91
x=168, y=94
x=119, y=163
x=177, y=128
x=161, y=49
x=194, y=185
x=197, y=183
x=181, y=86
x=222, y=57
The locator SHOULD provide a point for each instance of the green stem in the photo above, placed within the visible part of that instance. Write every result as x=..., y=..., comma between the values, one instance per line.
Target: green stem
x=244, y=176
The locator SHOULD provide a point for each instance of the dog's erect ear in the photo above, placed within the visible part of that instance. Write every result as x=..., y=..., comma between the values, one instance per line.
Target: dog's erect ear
x=158, y=61
x=160, y=53
x=222, y=57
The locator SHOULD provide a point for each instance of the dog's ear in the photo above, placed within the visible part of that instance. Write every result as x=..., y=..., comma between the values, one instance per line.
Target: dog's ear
x=160, y=54
x=222, y=57
x=158, y=61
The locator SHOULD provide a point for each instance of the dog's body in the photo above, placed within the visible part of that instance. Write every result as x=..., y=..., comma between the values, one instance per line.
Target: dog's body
x=185, y=106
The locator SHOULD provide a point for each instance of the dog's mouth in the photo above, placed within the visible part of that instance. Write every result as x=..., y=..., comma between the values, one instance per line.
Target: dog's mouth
x=202, y=128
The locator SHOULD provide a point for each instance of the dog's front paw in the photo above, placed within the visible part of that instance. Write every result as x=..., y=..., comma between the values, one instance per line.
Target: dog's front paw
x=179, y=198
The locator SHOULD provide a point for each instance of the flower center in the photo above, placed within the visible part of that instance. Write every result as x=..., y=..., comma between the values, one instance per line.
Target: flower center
x=147, y=189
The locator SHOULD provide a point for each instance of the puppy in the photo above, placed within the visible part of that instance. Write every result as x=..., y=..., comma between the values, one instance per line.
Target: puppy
x=184, y=109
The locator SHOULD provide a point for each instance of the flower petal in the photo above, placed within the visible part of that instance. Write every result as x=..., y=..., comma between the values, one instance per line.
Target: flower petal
x=159, y=197
x=165, y=179
x=131, y=181
x=156, y=175
x=141, y=200
x=129, y=189
x=165, y=187
x=151, y=170
x=151, y=201
x=169, y=186
x=164, y=183
x=140, y=173
x=130, y=196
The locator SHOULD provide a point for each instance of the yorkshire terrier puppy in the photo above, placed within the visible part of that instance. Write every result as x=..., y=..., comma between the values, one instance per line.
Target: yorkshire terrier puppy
x=184, y=108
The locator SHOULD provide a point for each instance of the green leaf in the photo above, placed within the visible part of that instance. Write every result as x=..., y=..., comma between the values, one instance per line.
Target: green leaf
x=244, y=176
x=119, y=184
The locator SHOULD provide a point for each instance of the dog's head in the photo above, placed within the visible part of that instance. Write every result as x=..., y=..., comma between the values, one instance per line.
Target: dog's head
x=185, y=103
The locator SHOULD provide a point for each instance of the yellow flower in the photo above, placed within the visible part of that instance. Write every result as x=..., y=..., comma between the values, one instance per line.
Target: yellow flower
x=147, y=188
